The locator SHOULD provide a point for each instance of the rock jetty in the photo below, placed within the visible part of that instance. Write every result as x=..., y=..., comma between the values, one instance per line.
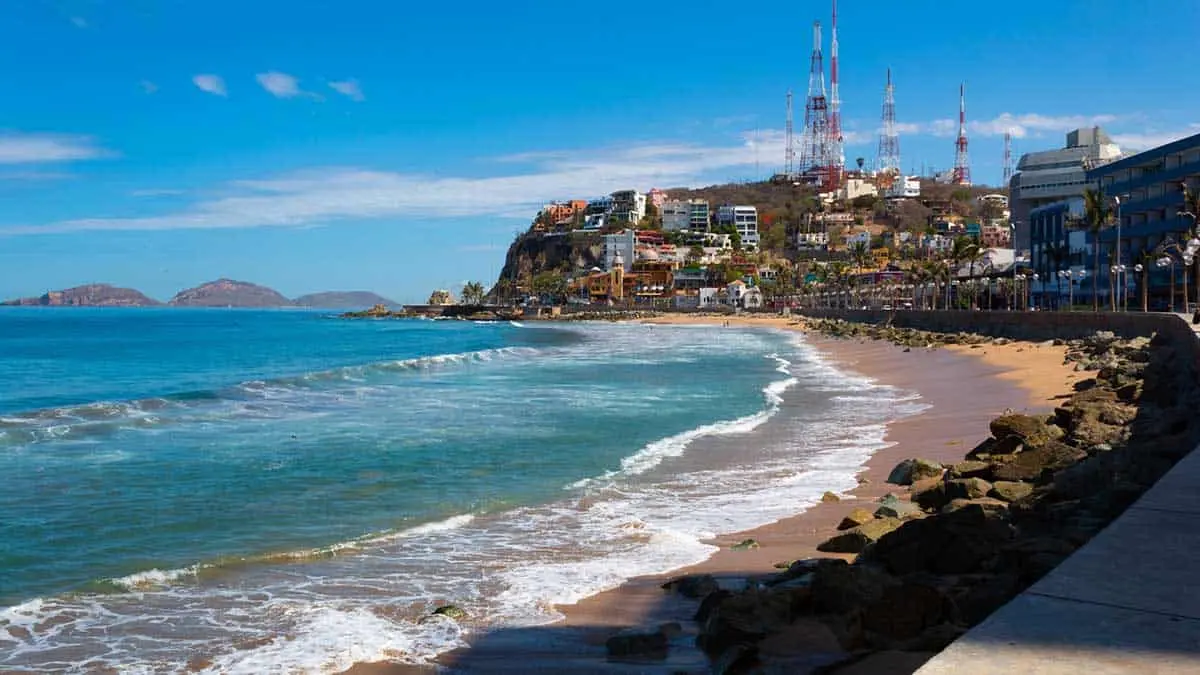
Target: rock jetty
x=954, y=543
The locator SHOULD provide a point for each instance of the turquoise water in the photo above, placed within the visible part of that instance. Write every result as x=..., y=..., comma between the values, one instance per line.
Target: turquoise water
x=177, y=482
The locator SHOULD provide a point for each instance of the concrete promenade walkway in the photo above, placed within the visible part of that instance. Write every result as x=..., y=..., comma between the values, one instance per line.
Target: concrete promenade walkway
x=1128, y=602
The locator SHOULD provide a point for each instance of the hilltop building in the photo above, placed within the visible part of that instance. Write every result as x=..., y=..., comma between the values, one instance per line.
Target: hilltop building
x=744, y=219
x=691, y=215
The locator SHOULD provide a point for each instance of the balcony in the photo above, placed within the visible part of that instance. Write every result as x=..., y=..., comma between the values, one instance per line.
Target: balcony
x=1169, y=225
x=1150, y=178
x=1151, y=203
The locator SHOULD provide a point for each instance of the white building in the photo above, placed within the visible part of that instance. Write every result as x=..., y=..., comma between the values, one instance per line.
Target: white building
x=857, y=187
x=622, y=245
x=819, y=239
x=745, y=221
x=628, y=206
x=938, y=243
x=904, y=187
x=860, y=237
x=691, y=215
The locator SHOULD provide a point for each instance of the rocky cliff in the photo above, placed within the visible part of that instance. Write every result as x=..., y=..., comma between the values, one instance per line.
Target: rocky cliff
x=531, y=254
x=90, y=295
x=229, y=293
x=343, y=300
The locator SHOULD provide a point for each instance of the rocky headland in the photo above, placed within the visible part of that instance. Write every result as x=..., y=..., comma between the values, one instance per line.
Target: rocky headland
x=88, y=295
x=952, y=542
x=344, y=300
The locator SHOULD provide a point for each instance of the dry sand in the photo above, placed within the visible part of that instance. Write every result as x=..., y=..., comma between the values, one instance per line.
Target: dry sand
x=965, y=388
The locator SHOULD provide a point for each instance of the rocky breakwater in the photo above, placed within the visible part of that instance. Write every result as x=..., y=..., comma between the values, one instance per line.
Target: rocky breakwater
x=954, y=543
x=903, y=337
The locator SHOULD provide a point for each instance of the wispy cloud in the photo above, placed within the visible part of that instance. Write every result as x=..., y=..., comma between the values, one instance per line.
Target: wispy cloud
x=148, y=86
x=348, y=88
x=79, y=22
x=327, y=195
x=156, y=192
x=1019, y=125
x=280, y=85
x=33, y=176
x=18, y=148
x=212, y=84
x=1144, y=140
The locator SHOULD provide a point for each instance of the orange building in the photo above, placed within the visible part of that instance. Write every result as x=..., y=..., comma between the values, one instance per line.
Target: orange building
x=558, y=212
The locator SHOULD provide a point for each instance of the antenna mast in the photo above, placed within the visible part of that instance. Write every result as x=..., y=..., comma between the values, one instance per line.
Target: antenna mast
x=789, y=148
x=887, y=158
x=837, y=152
x=962, y=167
x=814, y=146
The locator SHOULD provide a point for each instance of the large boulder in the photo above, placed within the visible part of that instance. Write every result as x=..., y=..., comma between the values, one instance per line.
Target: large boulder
x=839, y=589
x=891, y=506
x=970, y=469
x=930, y=493
x=856, y=539
x=693, y=586
x=912, y=470
x=1010, y=491
x=855, y=518
x=960, y=542
x=745, y=618
x=1033, y=431
x=967, y=488
x=1033, y=464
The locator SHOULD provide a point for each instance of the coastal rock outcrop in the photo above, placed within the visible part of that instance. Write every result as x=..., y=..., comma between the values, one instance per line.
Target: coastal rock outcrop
x=911, y=470
x=977, y=534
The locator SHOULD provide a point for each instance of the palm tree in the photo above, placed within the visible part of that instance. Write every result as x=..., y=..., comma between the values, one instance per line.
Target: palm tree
x=1145, y=259
x=472, y=293
x=839, y=272
x=1191, y=208
x=1096, y=215
x=1058, y=254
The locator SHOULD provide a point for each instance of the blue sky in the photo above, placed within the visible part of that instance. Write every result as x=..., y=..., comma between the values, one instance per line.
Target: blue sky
x=397, y=146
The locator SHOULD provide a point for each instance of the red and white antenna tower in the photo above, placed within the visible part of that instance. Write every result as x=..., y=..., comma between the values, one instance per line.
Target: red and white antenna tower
x=962, y=167
x=789, y=147
x=814, y=146
x=837, y=152
x=1007, y=157
x=887, y=158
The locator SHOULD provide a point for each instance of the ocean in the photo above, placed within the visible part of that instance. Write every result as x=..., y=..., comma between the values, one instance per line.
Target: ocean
x=286, y=491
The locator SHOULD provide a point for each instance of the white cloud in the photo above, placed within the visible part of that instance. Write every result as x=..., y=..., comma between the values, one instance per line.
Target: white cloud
x=156, y=192
x=348, y=88
x=212, y=84
x=1148, y=139
x=279, y=85
x=148, y=86
x=327, y=195
x=1020, y=126
x=17, y=148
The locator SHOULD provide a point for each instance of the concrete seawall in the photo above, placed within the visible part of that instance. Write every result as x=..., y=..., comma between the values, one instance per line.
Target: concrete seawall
x=1126, y=602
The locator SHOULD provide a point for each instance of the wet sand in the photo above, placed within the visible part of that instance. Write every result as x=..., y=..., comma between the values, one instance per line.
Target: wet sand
x=965, y=388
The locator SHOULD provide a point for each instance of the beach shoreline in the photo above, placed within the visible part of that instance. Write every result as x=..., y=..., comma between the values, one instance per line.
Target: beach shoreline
x=1019, y=376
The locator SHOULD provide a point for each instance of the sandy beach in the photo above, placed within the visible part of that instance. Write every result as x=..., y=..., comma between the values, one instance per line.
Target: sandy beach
x=964, y=387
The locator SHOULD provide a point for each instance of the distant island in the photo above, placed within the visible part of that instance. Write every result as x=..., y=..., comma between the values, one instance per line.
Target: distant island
x=343, y=300
x=220, y=293
x=90, y=295
x=229, y=293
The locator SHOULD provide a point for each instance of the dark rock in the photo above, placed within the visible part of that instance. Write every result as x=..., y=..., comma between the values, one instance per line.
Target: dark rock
x=745, y=545
x=856, y=539
x=738, y=659
x=967, y=488
x=858, y=516
x=930, y=493
x=911, y=470
x=745, y=618
x=693, y=586
x=953, y=543
x=451, y=612
x=829, y=497
x=709, y=605
x=1010, y=491
x=904, y=612
x=970, y=469
x=639, y=646
x=994, y=507
x=845, y=588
